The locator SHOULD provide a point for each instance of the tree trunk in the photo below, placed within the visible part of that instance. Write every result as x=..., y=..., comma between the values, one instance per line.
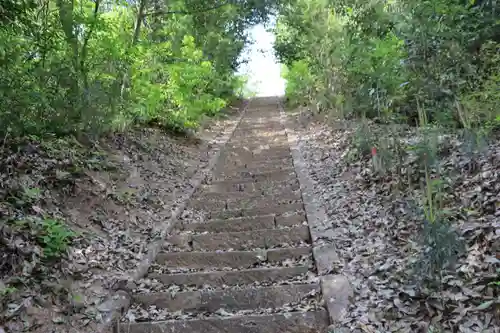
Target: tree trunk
x=135, y=39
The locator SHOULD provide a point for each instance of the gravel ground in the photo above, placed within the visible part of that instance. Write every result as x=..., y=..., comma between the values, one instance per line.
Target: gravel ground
x=378, y=233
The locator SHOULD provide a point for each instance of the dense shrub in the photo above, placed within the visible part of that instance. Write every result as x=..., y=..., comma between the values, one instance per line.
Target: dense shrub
x=388, y=59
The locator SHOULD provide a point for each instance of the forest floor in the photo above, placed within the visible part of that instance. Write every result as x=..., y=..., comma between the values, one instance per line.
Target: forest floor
x=77, y=218
x=391, y=259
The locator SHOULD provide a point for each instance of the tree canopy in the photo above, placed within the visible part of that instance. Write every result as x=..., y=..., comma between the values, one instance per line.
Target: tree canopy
x=94, y=66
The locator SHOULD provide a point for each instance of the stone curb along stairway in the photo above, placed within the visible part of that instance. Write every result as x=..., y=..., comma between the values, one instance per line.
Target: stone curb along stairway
x=244, y=262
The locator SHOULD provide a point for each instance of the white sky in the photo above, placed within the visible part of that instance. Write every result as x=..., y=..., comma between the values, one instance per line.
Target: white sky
x=263, y=69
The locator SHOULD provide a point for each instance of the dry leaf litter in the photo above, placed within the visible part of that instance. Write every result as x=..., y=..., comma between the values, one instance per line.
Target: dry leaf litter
x=114, y=195
x=377, y=233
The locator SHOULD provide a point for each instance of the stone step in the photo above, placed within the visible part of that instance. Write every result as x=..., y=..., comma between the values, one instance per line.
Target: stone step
x=248, y=156
x=232, y=225
x=254, y=163
x=258, y=148
x=265, y=120
x=244, y=240
x=276, y=176
x=279, y=142
x=245, y=171
x=231, y=259
x=290, y=219
x=290, y=253
x=262, y=154
x=257, y=133
x=254, y=173
x=259, y=203
x=276, y=209
x=231, y=197
x=292, y=322
x=265, y=187
x=257, y=136
x=209, y=205
x=245, y=203
x=231, y=278
x=253, y=203
x=234, y=299
x=270, y=125
x=259, y=145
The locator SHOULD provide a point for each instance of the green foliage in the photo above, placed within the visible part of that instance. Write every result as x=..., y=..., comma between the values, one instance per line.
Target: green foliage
x=97, y=66
x=7, y=291
x=300, y=83
x=55, y=237
x=188, y=86
x=442, y=247
x=242, y=89
x=363, y=140
x=387, y=59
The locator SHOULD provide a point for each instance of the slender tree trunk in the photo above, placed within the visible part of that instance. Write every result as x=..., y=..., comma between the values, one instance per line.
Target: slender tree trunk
x=65, y=9
x=135, y=39
x=66, y=18
x=83, y=53
x=156, y=20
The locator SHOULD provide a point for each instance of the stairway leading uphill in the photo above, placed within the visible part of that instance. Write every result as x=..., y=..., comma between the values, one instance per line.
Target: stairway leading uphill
x=247, y=267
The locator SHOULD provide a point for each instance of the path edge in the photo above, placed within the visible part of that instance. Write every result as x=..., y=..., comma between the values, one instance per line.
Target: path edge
x=337, y=291
x=119, y=301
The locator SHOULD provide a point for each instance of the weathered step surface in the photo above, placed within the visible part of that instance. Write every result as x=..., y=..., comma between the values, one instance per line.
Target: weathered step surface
x=232, y=225
x=247, y=171
x=257, y=145
x=234, y=299
x=260, y=201
x=293, y=322
x=256, y=161
x=229, y=259
x=265, y=202
x=264, y=238
x=257, y=135
x=205, y=199
x=232, y=165
x=276, y=176
x=266, y=186
x=231, y=278
x=290, y=219
x=256, y=174
x=276, y=209
x=250, y=190
x=246, y=223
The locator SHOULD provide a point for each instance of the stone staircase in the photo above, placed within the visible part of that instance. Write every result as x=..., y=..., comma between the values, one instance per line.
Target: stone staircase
x=243, y=263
